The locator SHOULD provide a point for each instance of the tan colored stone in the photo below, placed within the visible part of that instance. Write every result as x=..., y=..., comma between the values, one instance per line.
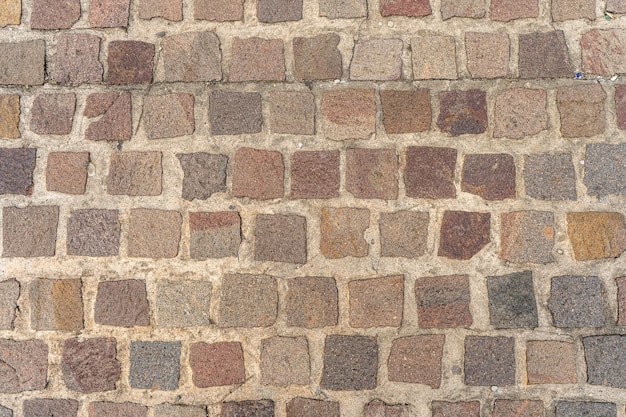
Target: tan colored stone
x=342, y=232
x=596, y=235
x=10, y=12
x=550, y=362
x=349, y=114
x=434, y=57
x=9, y=115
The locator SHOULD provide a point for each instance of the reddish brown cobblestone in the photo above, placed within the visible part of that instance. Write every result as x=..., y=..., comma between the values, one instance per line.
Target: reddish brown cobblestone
x=53, y=114
x=317, y=57
x=122, y=303
x=518, y=408
x=191, y=56
x=167, y=9
x=463, y=234
x=377, y=59
x=406, y=111
x=9, y=294
x=429, y=172
x=109, y=13
x=56, y=304
x=349, y=114
x=312, y=302
x=458, y=409
x=77, y=59
x=487, y=54
x=527, y=236
x=380, y=408
x=305, y=407
x=489, y=360
x=66, y=172
x=104, y=409
x=621, y=301
x=54, y=14
x=93, y=233
x=434, y=58
x=257, y=59
x=417, y=359
x=315, y=174
x=544, y=55
x=258, y=174
x=214, y=235
x=350, y=363
x=462, y=8
x=414, y=8
x=247, y=301
x=9, y=116
x=377, y=302
x=217, y=364
x=443, y=302
x=20, y=226
x=168, y=116
x=292, y=112
x=403, y=234
x=135, y=174
x=130, y=62
x=218, y=10
x=491, y=176
x=520, y=112
x=550, y=362
x=16, y=170
x=154, y=233
x=372, y=173
x=506, y=10
x=274, y=11
x=342, y=232
x=24, y=365
x=462, y=112
x=595, y=45
x=582, y=110
x=90, y=365
x=49, y=407
x=280, y=238
x=114, y=116
x=573, y=9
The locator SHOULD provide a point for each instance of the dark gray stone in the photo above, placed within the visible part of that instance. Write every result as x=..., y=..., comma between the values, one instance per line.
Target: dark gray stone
x=585, y=409
x=93, y=233
x=16, y=170
x=258, y=408
x=350, y=363
x=273, y=11
x=576, y=301
x=205, y=174
x=544, y=55
x=5, y=412
x=605, y=169
x=606, y=362
x=235, y=113
x=22, y=63
x=489, y=361
x=154, y=365
x=305, y=407
x=550, y=177
x=512, y=301
x=180, y=410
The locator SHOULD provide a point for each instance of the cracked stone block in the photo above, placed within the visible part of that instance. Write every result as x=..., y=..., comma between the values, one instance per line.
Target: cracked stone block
x=24, y=365
x=90, y=365
x=122, y=303
x=204, y=174
x=214, y=235
x=112, y=114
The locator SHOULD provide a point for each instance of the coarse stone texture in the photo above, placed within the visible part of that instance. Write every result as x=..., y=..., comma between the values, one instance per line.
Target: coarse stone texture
x=443, y=302
x=167, y=9
x=376, y=302
x=204, y=174
x=22, y=63
x=5, y=412
x=258, y=174
x=413, y=8
x=56, y=304
x=462, y=112
x=403, y=234
x=257, y=59
x=350, y=363
x=406, y=111
x=512, y=301
x=581, y=109
x=247, y=301
x=417, y=359
x=10, y=14
x=573, y=9
x=315, y=174
x=377, y=59
x=235, y=113
x=429, y=172
x=53, y=114
x=596, y=235
x=605, y=360
x=434, y=57
x=317, y=57
x=342, y=232
x=487, y=54
x=16, y=170
x=214, y=235
x=280, y=238
x=463, y=234
x=491, y=176
x=130, y=62
x=378, y=408
x=550, y=177
x=605, y=169
x=518, y=408
x=54, y=14
x=585, y=409
x=576, y=301
x=154, y=233
x=544, y=55
x=168, y=115
x=127, y=409
x=604, y=51
x=191, y=56
x=93, y=232
x=10, y=116
x=312, y=302
x=274, y=11
x=455, y=409
x=122, y=303
x=520, y=112
x=135, y=174
x=621, y=301
x=23, y=365
x=550, y=362
x=527, y=236
x=256, y=408
x=292, y=112
x=9, y=294
x=183, y=303
x=341, y=9
x=77, y=59
x=50, y=407
x=462, y=8
x=30, y=231
x=179, y=410
x=507, y=10
x=285, y=361
x=348, y=114
x=90, y=365
x=218, y=10
x=154, y=365
x=217, y=364
x=109, y=13
x=113, y=114
x=620, y=105
x=306, y=407
x=489, y=360
x=372, y=173
x=616, y=6
x=66, y=172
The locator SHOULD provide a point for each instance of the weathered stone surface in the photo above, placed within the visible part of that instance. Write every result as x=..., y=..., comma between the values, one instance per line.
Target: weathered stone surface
x=257, y=59
x=168, y=115
x=214, y=235
x=22, y=63
x=417, y=359
x=603, y=51
x=443, y=302
x=406, y=111
x=135, y=173
x=413, y=8
x=179, y=410
x=93, y=232
x=506, y=10
x=217, y=364
x=285, y=361
x=518, y=408
x=377, y=59
x=350, y=363
x=348, y=114
x=616, y=6
x=30, y=231
x=462, y=8
x=573, y=9
x=274, y=11
x=90, y=365
x=5, y=412
x=576, y=301
x=235, y=113
x=429, y=172
x=520, y=112
x=527, y=236
x=114, y=113
x=512, y=301
x=315, y=174
x=342, y=232
x=605, y=169
x=77, y=59
x=585, y=409
x=462, y=112
x=127, y=409
x=258, y=174
x=550, y=362
x=191, y=56
x=204, y=174
x=434, y=57
x=606, y=364
x=596, y=235
x=292, y=112
x=130, y=62
x=377, y=302
x=16, y=170
x=491, y=176
x=340, y=9
x=403, y=233
x=109, y=13
x=372, y=173
x=305, y=407
x=49, y=407
x=487, y=54
x=154, y=365
x=167, y=9
x=10, y=14
x=66, y=172
x=183, y=303
x=54, y=14
x=544, y=55
x=550, y=177
x=122, y=303
x=463, y=234
x=248, y=301
x=317, y=58
x=218, y=10
x=53, y=114
x=312, y=302
x=280, y=238
x=56, y=304
x=10, y=116
x=581, y=109
x=23, y=365
x=489, y=360
x=9, y=294
x=621, y=301
x=257, y=408
x=620, y=104
x=457, y=409
x=154, y=233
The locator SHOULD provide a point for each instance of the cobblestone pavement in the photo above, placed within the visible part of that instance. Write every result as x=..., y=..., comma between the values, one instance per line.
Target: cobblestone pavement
x=298, y=208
